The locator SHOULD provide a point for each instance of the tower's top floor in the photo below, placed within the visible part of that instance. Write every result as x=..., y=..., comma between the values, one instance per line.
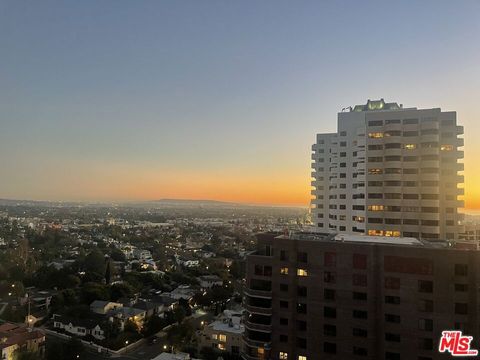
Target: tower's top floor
x=376, y=105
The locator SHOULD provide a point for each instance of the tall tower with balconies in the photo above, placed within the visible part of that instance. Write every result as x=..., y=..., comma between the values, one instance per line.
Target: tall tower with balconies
x=390, y=171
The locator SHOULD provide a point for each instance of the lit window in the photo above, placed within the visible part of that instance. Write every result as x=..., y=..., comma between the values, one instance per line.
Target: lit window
x=284, y=270
x=393, y=233
x=260, y=352
x=375, y=207
x=375, y=232
x=221, y=346
x=375, y=171
x=375, y=135
x=410, y=146
x=222, y=338
x=446, y=147
x=214, y=336
x=302, y=272
x=301, y=357
x=283, y=355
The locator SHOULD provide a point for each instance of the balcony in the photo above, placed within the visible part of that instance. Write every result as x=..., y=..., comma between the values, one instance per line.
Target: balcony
x=258, y=310
x=258, y=327
x=258, y=293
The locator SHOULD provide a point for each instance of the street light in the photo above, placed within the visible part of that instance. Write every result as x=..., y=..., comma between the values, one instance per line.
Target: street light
x=164, y=347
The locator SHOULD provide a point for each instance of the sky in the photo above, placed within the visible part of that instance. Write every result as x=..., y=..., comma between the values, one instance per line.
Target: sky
x=140, y=100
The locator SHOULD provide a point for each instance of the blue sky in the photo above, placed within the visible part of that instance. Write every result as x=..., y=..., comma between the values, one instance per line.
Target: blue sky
x=113, y=100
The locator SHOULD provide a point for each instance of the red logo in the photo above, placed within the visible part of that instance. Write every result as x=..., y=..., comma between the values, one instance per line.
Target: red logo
x=456, y=344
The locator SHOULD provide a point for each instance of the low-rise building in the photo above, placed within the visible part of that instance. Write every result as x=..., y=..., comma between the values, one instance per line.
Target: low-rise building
x=224, y=334
x=15, y=339
x=209, y=281
x=103, y=307
x=80, y=327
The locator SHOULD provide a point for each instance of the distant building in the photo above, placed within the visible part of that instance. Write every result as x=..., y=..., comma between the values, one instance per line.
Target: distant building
x=103, y=307
x=15, y=339
x=142, y=254
x=209, y=281
x=80, y=327
x=224, y=334
x=324, y=296
x=175, y=356
x=390, y=171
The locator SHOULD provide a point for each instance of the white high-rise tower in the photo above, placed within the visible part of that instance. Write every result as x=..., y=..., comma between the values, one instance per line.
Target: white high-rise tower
x=390, y=171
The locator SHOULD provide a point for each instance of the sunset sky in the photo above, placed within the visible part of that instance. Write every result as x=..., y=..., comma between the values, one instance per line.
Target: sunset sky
x=139, y=100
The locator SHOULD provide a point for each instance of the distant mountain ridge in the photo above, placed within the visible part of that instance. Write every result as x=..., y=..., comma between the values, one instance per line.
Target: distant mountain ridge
x=195, y=201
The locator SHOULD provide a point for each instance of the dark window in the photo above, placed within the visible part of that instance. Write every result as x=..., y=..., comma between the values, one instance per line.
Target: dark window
x=360, y=332
x=329, y=277
x=461, y=308
x=329, y=330
x=392, y=283
x=359, y=261
x=283, y=287
x=329, y=294
x=329, y=348
x=425, y=286
x=330, y=259
x=375, y=123
x=425, y=306
x=461, y=269
x=283, y=338
x=301, y=325
x=283, y=255
x=392, y=337
x=301, y=343
x=284, y=321
x=425, y=324
x=359, y=279
x=302, y=291
x=302, y=257
x=359, y=296
x=392, y=299
x=392, y=356
x=360, y=314
x=392, y=318
x=461, y=287
x=284, y=304
x=425, y=344
x=329, y=312
x=360, y=351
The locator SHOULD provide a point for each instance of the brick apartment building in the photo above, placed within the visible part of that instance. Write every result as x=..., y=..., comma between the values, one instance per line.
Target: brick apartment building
x=316, y=296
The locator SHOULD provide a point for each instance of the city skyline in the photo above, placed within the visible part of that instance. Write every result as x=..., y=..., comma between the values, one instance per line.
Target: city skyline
x=184, y=100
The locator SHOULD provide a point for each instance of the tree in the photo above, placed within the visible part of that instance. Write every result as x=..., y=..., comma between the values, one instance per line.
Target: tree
x=178, y=335
x=131, y=327
x=120, y=290
x=108, y=271
x=154, y=325
x=179, y=314
x=94, y=265
x=93, y=291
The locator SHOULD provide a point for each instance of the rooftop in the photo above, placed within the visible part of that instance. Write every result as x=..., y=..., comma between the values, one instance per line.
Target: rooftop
x=366, y=239
x=376, y=105
x=226, y=326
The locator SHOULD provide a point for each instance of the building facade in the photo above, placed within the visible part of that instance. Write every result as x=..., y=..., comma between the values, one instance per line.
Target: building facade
x=326, y=296
x=390, y=171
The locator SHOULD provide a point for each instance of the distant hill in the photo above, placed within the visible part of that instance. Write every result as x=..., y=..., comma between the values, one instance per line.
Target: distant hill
x=194, y=201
